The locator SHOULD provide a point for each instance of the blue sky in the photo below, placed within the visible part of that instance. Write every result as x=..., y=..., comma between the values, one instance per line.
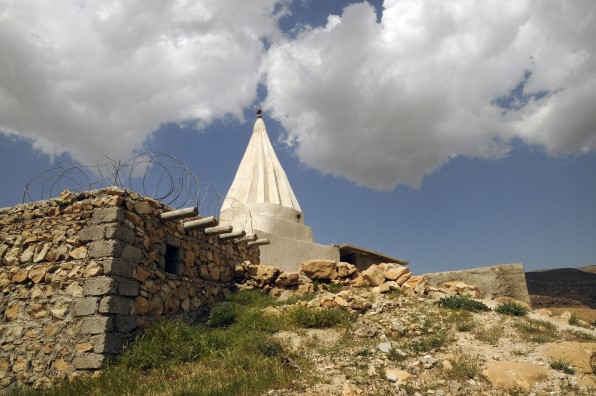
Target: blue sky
x=444, y=133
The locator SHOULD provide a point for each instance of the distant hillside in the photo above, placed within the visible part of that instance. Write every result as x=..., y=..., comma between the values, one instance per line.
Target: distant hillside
x=563, y=287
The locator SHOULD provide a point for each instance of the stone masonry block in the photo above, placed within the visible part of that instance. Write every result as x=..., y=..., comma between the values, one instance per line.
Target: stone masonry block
x=108, y=343
x=92, y=233
x=125, y=324
x=100, y=249
x=117, y=267
x=96, y=325
x=85, y=306
x=132, y=254
x=110, y=214
x=115, y=305
x=124, y=234
x=99, y=286
x=88, y=361
x=128, y=288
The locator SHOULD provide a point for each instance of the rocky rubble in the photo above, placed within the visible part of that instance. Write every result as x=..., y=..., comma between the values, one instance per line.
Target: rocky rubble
x=402, y=343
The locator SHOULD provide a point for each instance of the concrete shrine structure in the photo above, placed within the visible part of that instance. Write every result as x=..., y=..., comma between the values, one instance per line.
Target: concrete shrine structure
x=262, y=188
x=262, y=202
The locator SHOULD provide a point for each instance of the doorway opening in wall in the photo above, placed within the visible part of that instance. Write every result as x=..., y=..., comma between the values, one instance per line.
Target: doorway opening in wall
x=173, y=261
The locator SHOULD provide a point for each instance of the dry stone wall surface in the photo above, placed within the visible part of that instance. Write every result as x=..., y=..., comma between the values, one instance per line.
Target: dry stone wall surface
x=80, y=275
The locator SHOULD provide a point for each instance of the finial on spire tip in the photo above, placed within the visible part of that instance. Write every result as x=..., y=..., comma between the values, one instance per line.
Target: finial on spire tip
x=259, y=111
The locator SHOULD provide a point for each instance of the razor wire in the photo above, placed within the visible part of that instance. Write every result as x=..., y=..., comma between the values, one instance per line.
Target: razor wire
x=157, y=175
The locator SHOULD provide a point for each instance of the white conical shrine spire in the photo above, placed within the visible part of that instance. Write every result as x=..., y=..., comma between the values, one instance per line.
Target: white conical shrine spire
x=261, y=187
x=260, y=177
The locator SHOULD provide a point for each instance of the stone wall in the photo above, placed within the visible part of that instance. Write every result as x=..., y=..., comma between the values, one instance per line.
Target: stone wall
x=504, y=280
x=81, y=275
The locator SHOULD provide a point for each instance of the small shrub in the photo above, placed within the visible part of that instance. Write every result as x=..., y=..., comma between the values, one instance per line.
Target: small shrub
x=490, y=335
x=581, y=336
x=512, y=308
x=460, y=302
x=573, y=320
x=538, y=331
x=163, y=343
x=269, y=347
x=393, y=293
x=223, y=315
x=313, y=318
x=464, y=367
x=593, y=324
x=430, y=342
x=364, y=353
x=252, y=298
x=334, y=287
x=395, y=355
x=562, y=365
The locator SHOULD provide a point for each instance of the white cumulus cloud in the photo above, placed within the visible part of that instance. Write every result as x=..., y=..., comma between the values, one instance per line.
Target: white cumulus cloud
x=98, y=77
x=387, y=102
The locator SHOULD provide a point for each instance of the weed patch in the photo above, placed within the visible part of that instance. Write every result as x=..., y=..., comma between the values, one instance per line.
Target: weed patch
x=511, y=308
x=430, y=342
x=538, y=331
x=464, y=367
x=313, y=318
x=460, y=302
x=490, y=335
x=562, y=365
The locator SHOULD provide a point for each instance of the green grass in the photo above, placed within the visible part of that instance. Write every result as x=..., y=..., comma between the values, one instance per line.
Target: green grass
x=562, y=365
x=235, y=352
x=463, y=320
x=511, y=308
x=538, y=331
x=430, y=342
x=573, y=320
x=460, y=302
x=575, y=335
x=464, y=367
x=490, y=335
x=315, y=318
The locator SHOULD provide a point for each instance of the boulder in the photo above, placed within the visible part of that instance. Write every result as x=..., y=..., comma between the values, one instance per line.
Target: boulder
x=416, y=285
x=578, y=355
x=287, y=279
x=394, y=273
x=319, y=269
x=510, y=375
x=462, y=288
x=345, y=270
x=264, y=274
x=373, y=276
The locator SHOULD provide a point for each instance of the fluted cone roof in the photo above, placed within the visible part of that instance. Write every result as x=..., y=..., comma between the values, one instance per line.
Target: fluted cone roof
x=260, y=177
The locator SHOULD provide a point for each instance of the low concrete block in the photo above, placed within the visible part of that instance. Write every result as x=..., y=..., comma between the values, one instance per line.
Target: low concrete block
x=96, y=325
x=99, y=249
x=109, y=214
x=85, y=306
x=108, y=343
x=115, y=305
x=117, y=267
x=132, y=254
x=88, y=361
x=128, y=288
x=125, y=324
x=99, y=286
x=121, y=233
x=92, y=233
